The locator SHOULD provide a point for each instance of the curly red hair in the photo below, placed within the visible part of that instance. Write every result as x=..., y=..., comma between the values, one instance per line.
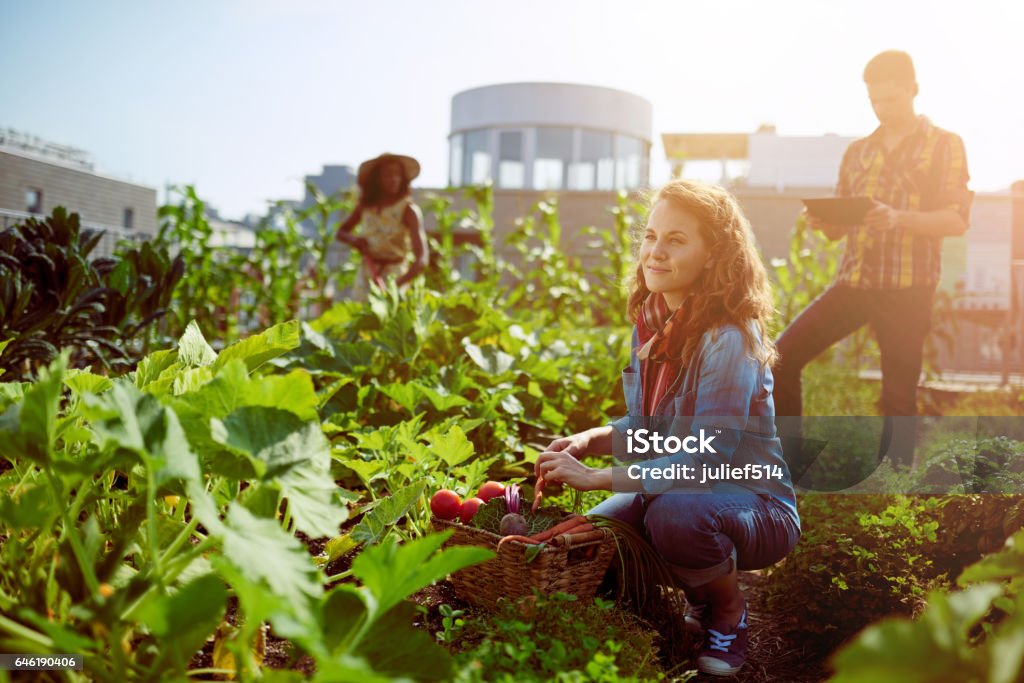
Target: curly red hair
x=735, y=289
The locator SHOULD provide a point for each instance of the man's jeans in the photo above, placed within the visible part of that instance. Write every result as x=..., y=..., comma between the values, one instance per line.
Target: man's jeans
x=900, y=318
x=703, y=535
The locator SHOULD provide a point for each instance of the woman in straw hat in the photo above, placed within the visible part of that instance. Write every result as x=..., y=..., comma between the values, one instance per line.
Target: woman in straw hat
x=392, y=225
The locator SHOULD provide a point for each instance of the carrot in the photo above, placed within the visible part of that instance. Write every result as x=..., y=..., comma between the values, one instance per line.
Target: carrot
x=580, y=528
x=559, y=528
x=522, y=539
x=538, y=493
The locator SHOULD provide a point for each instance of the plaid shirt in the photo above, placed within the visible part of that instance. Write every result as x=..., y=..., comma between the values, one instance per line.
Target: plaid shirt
x=926, y=171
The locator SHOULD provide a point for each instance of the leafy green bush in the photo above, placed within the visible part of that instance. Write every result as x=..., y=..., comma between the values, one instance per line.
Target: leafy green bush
x=860, y=557
x=179, y=485
x=556, y=638
x=52, y=297
x=232, y=292
x=976, y=634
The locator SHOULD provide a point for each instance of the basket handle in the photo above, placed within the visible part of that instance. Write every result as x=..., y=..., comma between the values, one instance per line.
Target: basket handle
x=581, y=539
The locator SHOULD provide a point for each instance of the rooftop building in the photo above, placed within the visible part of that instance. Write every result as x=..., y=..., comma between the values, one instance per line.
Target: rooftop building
x=550, y=136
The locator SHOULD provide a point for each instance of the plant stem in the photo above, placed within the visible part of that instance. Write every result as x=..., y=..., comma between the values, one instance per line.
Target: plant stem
x=15, y=629
x=172, y=570
x=334, y=578
x=152, y=539
x=70, y=531
x=180, y=540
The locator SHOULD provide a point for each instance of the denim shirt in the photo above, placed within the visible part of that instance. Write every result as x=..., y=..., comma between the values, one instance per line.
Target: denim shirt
x=728, y=394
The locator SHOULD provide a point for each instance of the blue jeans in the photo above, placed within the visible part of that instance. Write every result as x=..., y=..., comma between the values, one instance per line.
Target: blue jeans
x=900, y=318
x=701, y=535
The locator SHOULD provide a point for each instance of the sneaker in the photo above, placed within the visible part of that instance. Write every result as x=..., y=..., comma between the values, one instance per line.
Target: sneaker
x=725, y=650
x=697, y=618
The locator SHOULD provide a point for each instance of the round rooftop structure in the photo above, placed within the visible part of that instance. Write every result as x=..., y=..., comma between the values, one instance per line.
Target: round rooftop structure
x=550, y=136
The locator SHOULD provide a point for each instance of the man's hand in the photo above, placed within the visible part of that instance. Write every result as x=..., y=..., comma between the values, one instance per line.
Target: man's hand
x=829, y=230
x=882, y=218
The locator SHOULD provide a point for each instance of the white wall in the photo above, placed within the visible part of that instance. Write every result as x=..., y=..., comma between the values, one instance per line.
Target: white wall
x=781, y=161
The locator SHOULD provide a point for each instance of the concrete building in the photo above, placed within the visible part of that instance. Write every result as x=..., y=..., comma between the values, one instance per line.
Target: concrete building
x=762, y=159
x=332, y=180
x=36, y=176
x=550, y=136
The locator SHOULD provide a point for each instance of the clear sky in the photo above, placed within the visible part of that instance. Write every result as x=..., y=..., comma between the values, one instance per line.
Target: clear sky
x=245, y=97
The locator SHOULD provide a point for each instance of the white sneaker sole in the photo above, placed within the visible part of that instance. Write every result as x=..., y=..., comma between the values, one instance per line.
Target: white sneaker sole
x=716, y=667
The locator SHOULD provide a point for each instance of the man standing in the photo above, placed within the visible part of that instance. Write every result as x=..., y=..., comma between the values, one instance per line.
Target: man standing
x=916, y=173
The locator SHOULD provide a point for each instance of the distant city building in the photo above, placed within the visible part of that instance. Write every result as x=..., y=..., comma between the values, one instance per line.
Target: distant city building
x=761, y=159
x=333, y=180
x=235, y=234
x=37, y=175
x=550, y=136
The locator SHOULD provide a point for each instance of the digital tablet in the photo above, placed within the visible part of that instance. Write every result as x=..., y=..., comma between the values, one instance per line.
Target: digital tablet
x=840, y=210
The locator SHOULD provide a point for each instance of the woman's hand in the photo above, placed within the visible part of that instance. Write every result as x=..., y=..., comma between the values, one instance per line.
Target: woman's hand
x=576, y=445
x=561, y=467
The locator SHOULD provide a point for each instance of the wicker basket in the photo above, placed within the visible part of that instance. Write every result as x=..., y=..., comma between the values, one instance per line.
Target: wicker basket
x=565, y=567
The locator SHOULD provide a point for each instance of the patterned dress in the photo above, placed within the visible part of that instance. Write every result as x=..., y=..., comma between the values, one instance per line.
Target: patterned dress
x=387, y=236
x=388, y=244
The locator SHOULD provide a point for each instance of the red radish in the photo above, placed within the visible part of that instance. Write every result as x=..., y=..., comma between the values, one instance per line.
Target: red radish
x=491, y=489
x=446, y=504
x=469, y=509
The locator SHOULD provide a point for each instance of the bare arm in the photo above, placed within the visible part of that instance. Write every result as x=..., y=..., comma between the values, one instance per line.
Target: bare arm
x=945, y=206
x=560, y=463
x=414, y=224
x=344, y=233
x=940, y=223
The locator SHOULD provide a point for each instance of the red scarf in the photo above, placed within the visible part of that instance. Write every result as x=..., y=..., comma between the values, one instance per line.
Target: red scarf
x=663, y=335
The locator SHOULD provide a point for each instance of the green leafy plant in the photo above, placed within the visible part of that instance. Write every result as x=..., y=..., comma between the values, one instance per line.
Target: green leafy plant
x=53, y=297
x=860, y=557
x=975, y=634
x=556, y=638
x=158, y=531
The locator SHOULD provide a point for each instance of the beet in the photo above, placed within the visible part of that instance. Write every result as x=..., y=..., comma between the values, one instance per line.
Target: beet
x=513, y=524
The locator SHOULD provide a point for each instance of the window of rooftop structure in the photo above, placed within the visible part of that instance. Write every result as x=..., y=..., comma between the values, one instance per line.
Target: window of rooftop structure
x=455, y=161
x=34, y=200
x=629, y=162
x=129, y=219
x=476, y=162
x=595, y=169
x=552, y=157
x=511, y=169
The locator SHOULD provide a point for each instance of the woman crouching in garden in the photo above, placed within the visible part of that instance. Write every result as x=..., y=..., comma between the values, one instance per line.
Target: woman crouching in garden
x=699, y=366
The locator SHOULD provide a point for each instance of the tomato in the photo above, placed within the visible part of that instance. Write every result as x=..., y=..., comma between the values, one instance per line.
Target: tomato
x=469, y=509
x=446, y=504
x=491, y=489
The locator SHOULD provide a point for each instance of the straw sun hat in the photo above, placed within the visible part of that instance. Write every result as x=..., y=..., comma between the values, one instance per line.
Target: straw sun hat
x=410, y=166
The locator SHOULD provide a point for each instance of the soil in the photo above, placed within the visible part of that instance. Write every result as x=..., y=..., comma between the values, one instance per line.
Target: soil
x=773, y=656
